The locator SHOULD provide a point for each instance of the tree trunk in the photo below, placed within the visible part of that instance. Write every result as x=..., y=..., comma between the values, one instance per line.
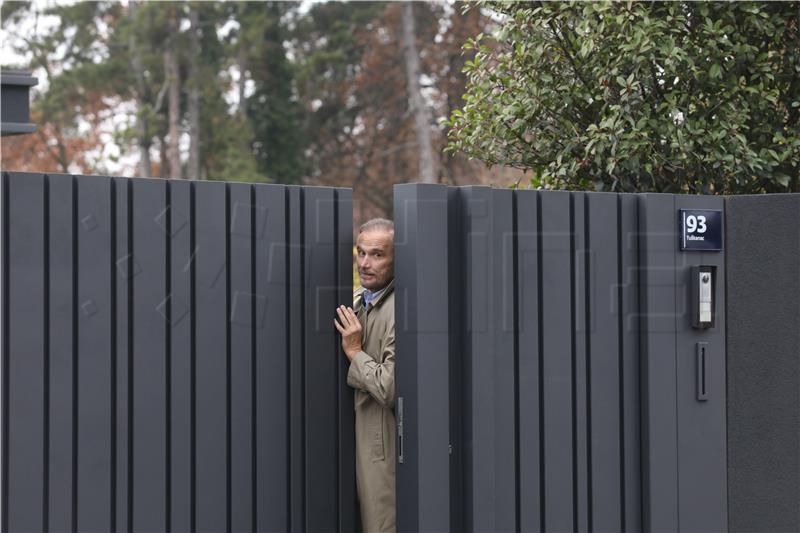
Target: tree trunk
x=462, y=27
x=172, y=73
x=163, y=171
x=242, y=63
x=415, y=101
x=193, y=167
x=143, y=141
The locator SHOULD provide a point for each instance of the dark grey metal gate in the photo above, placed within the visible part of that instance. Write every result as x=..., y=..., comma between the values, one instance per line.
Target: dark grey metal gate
x=169, y=357
x=530, y=402
x=684, y=476
x=169, y=360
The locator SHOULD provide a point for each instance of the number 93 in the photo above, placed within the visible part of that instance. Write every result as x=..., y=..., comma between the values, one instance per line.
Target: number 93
x=696, y=223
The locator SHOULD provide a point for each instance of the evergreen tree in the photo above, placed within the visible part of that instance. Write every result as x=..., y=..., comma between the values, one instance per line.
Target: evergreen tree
x=274, y=110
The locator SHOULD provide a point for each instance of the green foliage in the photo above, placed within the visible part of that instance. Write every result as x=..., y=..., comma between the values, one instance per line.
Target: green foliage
x=275, y=113
x=328, y=53
x=656, y=96
x=329, y=46
x=230, y=156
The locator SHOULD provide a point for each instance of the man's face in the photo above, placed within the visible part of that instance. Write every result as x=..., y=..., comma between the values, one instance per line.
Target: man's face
x=375, y=257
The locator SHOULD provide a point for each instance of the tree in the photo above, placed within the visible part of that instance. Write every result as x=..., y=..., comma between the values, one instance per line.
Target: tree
x=261, y=91
x=448, y=67
x=193, y=165
x=144, y=138
x=672, y=96
x=173, y=80
x=331, y=44
x=416, y=102
x=352, y=78
x=68, y=112
x=273, y=109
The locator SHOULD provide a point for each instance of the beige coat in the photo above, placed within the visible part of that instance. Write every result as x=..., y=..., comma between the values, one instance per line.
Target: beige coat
x=371, y=374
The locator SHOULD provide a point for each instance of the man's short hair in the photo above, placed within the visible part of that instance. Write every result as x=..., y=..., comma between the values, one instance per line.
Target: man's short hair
x=382, y=224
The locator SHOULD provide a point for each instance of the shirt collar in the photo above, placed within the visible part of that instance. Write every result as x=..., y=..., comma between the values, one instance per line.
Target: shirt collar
x=375, y=297
x=369, y=296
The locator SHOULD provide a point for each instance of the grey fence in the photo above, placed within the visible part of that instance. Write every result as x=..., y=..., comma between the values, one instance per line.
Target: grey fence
x=169, y=357
x=170, y=363
x=547, y=364
x=763, y=346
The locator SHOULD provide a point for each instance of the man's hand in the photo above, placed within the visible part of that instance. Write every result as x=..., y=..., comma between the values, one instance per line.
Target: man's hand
x=350, y=328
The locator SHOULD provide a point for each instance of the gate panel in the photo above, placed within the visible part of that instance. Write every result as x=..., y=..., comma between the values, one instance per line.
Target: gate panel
x=211, y=357
x=604, y=363
x=528, y=222
x=702, y=488
x=242, y=327
x=659, y=383
x=271, y=295
x=61, y=342
x=628, y=294
x=295, y=301
x=425, y=239
x=684, y=446
x=581, y=387
x=558, y=359
x=543, y=346
x=491, y=454
x=150, y=357
x=320, y=373
x=169, y=362
x=25, y=377
x=178, y=222
x=94, y=355
x=346, y=490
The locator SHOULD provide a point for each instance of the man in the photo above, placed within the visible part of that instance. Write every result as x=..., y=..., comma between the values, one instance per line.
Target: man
x=367, y=331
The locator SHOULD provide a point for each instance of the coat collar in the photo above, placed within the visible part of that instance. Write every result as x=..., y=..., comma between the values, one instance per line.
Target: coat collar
x=358, y=304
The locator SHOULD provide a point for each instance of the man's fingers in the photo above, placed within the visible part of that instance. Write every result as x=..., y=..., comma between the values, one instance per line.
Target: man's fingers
x=348, y=319
x=340, y=328
x=353, y=317
x=343, y=316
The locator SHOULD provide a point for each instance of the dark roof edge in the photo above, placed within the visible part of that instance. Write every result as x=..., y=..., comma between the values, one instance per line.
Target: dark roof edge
x=15, y=128
x=17, y=77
